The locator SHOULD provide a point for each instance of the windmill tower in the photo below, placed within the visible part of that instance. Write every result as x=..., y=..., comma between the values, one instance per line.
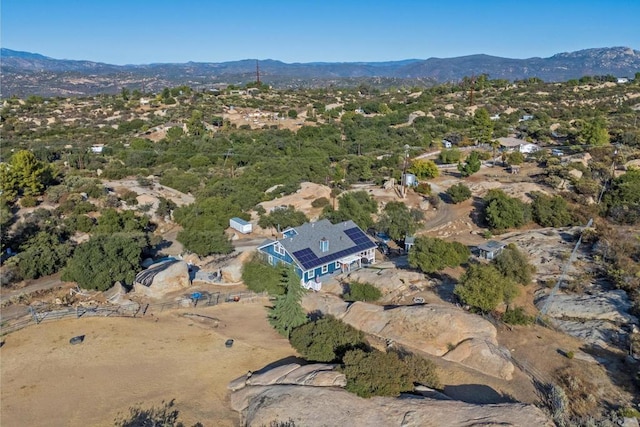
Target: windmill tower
x=258, y=72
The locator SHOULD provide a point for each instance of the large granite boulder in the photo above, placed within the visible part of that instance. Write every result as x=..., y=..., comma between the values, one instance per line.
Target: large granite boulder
x=162, y=278
x=317, y=375
x=392, y=282
x=430, y=328
x=330, y=406
x=326, y=304
x=483, y=356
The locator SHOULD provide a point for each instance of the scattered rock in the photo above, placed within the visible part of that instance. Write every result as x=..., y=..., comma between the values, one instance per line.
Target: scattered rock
x=115, y=294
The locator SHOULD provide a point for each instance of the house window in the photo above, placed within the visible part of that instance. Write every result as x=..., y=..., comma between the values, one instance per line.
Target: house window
x=311, y=274
x=279, y=249
x=325, y=268
x=337, y=264
x=270, y=259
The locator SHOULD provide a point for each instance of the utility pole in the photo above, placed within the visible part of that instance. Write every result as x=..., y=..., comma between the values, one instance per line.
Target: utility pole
x=258, y=73
x=404, y=171
x=472, y=85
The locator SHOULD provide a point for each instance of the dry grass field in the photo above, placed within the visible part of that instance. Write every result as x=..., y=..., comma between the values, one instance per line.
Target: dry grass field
x=126, y=362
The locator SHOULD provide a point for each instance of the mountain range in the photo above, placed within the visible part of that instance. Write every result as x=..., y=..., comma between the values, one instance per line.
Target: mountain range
x=25, y=73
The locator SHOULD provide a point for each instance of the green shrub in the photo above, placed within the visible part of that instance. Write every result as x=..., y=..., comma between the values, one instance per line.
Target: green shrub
x=517, y=316
x=570, y=355
x=459, y=193
x=129, y=197
x=423, y=188
x=80, y=223
x=28, y=201
x=320, y=203
x=448, y=156
x=514, y=265
x=260, y=276
x=326, y=340
x=362, y=292
x=628, y=412
x=386, y=374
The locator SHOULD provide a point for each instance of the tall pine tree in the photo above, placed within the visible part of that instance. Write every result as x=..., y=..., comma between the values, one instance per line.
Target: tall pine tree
x=287, y=313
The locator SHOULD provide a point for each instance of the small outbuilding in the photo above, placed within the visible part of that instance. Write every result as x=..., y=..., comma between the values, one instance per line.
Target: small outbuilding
x=241, y=225
x=491, y=249
x=409, y=241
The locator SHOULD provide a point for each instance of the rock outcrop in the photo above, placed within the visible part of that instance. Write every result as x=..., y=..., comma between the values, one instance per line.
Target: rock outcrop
x=431, y=328
x=162, y=278
x=483, y=356
x=316, y=375
x=393, y=283
x=612, y=305
x=596, y=318
x=329, y=406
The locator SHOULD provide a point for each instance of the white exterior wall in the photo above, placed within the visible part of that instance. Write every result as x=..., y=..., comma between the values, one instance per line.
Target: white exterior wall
x=243, y=228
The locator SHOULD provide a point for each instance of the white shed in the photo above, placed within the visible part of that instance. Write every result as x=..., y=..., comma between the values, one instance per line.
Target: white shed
x=240, y=225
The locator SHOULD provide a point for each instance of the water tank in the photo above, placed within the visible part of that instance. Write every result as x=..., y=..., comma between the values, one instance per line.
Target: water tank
x=410, y=180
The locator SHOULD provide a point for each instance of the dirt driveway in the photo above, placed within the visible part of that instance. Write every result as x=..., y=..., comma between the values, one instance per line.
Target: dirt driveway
x=125, y=362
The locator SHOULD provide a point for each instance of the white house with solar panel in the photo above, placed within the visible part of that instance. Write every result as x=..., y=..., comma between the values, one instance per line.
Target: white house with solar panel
x=316, y=249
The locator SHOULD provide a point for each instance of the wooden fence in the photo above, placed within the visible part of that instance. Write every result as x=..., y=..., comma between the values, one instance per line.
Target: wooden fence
x=37, y=315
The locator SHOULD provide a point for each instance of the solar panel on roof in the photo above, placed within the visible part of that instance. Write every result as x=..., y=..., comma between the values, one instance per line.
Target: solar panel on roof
x=309, y=260
x=358, y=237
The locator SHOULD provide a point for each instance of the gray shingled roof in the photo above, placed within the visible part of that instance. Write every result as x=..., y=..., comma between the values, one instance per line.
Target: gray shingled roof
x=491, y=246
x=310, y=234
x=511, y=142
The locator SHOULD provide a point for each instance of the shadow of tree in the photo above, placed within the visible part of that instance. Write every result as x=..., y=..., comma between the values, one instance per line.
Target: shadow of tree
x=444, y=288
x=476, y=393
x=281, y=362
x=477, y=213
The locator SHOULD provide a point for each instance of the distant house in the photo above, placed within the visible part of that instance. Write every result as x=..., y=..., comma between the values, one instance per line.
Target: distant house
x=446, y=144
x=529, y=148
x=495, y=117
x=510, y=143
x=145, y=101
x=516, y=144
x=316, y=249
x=622, y=80
x=491, y=249
x=97, y=148
x=526, y=117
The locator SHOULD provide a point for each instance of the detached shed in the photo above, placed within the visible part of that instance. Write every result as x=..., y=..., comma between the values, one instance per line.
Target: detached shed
x=491, y=249
x=240, y=225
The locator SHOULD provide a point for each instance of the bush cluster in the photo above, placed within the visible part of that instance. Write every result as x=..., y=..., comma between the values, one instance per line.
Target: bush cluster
x=361, y=292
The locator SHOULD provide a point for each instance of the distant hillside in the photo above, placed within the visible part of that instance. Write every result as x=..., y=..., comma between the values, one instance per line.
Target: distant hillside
x=25, y=73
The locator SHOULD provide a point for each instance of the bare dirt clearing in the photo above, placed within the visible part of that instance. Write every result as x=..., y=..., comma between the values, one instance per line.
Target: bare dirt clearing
x=125, y=362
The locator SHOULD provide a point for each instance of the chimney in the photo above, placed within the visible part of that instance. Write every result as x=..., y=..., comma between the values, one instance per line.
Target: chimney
x=324, y=245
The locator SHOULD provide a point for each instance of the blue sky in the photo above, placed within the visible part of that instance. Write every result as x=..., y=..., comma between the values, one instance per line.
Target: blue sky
x=147, y=31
